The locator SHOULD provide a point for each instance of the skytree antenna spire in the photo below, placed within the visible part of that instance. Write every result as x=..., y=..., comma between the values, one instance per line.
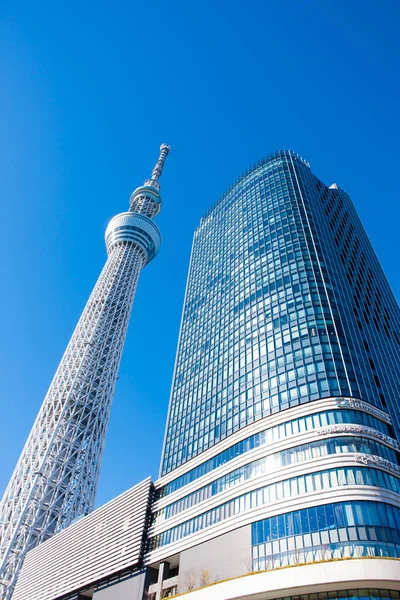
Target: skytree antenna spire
x=157, y=171
x=55, y=479
x=156, y=174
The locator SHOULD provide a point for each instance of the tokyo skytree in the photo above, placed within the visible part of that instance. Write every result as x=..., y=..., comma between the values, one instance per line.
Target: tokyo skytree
x=56, y=477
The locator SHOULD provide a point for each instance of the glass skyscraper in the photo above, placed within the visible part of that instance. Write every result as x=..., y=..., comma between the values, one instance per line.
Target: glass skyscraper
x=286, y=304
x=283, y=422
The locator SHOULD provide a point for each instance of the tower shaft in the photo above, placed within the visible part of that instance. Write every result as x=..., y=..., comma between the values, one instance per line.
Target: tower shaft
x=55, y=479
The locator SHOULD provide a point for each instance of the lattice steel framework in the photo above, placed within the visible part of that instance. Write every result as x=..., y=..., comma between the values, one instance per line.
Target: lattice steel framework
x=55, y=479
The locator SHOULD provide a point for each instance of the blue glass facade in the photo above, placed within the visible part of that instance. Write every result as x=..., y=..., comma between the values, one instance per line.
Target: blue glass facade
x=282, y=436
x=339, y=530
x=287, y=488
x=264, y=496
x=286, y=304
x=273, y=434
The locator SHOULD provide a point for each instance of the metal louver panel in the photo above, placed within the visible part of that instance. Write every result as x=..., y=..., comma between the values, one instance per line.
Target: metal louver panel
x=108, y=540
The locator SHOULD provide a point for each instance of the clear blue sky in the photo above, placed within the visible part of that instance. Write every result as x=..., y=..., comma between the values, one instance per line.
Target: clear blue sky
x=91, y=89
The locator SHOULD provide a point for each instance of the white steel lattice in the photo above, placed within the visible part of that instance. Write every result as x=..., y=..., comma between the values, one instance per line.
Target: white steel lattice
x=55, y=479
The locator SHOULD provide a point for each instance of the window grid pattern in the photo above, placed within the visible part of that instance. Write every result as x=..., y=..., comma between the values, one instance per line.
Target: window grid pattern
x=301, y=484
x=274, y=434
x=267, y=322
x=261, y=496
x=368, y=309
x=337, y=530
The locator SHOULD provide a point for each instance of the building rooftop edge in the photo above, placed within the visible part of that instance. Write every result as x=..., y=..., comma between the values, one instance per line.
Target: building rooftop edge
x=253, y=167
